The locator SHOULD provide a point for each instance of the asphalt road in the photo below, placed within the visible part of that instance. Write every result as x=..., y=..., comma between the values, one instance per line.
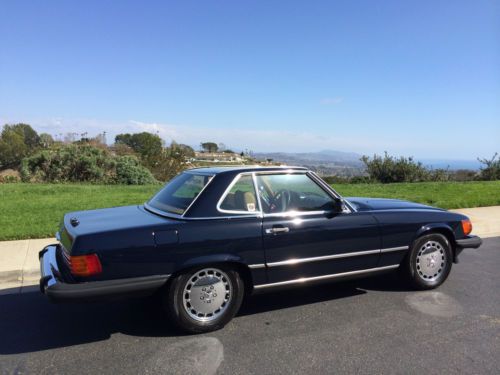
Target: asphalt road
x=365, y=326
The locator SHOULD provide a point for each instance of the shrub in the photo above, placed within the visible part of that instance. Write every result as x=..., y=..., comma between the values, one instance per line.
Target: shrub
x=9, y=176
x=130, y=172
x=491, y=168
x=83, y=163
x=389, y=169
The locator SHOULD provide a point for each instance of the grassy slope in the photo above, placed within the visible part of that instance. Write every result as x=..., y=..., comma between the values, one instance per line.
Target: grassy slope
x=34, y=210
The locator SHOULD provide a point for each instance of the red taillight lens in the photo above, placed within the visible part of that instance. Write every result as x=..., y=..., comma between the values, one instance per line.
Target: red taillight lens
x=85, y=265
x=466, y=226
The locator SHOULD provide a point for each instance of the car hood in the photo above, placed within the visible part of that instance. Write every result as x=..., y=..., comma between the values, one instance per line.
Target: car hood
x=95, y=223
x=376, y=204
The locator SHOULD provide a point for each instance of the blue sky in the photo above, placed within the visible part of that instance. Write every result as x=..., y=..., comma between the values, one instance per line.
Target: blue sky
x=417, y=78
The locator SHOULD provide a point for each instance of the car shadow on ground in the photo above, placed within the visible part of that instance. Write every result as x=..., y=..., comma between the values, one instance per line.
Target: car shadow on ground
x=29, y=323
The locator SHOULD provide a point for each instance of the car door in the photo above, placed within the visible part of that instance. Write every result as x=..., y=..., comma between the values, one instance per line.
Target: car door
x=303, y=238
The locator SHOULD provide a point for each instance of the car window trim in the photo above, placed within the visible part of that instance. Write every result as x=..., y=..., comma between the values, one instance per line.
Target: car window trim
x=331, y=191
x=314, y=179
x=211, y=176
x=257, y=212
x=173, y=214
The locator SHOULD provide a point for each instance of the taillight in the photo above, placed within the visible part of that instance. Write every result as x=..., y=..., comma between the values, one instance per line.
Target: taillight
x=85, y=265
x=466, y=226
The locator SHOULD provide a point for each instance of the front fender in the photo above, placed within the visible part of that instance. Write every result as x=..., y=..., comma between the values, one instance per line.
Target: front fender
x=437, y=227
x=445, y=229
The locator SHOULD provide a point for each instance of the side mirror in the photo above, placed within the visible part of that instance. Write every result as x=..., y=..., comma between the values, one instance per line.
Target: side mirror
x=335, y=207
x=338, y=205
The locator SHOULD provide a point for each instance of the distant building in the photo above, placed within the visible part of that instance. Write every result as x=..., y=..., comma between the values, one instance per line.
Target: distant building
x=218, y=157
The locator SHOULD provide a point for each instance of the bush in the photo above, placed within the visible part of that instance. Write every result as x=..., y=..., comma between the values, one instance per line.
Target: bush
x=491, y=168
x=346, y=180
x=389, y=169
x=130, y=172
x=83, y=163
x=9, y=176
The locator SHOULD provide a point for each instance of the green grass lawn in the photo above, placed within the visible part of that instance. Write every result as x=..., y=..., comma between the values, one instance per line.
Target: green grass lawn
x=34, y=210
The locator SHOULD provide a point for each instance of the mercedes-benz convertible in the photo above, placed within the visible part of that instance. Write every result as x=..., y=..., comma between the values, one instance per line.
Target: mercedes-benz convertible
x=212, y=235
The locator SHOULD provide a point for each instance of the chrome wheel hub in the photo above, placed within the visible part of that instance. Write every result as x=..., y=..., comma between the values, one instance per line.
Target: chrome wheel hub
x=207, y=294
x=431, y=260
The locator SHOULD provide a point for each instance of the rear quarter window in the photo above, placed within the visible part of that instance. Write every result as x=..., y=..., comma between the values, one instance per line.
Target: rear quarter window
x=179, y=193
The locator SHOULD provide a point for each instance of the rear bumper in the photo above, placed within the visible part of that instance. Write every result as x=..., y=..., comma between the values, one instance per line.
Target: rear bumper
x=52, y=283
x=472, y=242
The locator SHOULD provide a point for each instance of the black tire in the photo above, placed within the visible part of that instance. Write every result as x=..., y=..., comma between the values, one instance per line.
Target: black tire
x=429, y=261
x=176, y=302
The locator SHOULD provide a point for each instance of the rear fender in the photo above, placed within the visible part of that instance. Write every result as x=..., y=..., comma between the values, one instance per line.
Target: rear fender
x=209, y=259
x=234, y=261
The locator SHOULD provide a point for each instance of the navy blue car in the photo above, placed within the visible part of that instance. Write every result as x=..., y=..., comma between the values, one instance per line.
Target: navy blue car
x=211, y=235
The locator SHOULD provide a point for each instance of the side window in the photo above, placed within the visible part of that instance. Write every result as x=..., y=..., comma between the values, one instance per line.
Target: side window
x=291, y=192
x=241, y=197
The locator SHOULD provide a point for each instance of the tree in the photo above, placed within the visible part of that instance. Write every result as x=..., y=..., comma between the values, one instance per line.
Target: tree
x=147, y=145
x=46, y=140
x=30, y=136
x=209, y=146
x=16, y=142
x=171, y=161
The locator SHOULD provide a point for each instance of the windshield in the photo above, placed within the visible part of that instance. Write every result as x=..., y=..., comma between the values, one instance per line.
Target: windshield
x=179, y=193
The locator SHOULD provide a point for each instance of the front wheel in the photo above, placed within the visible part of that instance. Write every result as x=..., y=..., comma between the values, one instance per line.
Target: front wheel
x=429, y=262
x=204, y=299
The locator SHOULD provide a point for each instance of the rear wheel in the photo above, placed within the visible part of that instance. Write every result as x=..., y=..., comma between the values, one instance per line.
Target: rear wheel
x=204, y=299
x=429, y=262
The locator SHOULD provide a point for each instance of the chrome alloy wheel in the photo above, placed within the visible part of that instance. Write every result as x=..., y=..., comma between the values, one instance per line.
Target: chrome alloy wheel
x=431, y=260
x=207, y=294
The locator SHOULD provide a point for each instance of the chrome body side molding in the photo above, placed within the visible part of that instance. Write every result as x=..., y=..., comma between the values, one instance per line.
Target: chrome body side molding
x=256, y=266
x=391, y=249
x=290, y=262
x=303, y=280
x=293, y=261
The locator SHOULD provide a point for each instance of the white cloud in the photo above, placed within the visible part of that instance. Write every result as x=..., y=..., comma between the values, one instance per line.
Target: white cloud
x=332, y=101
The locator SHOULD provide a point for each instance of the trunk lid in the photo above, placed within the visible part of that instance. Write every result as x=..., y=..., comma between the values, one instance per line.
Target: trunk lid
x=94, y=222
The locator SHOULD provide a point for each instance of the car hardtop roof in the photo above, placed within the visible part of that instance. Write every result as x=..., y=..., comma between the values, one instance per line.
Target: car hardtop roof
x=242, y=168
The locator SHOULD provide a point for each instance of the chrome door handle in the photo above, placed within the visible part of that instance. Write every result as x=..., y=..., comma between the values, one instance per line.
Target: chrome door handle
x=275, y=230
